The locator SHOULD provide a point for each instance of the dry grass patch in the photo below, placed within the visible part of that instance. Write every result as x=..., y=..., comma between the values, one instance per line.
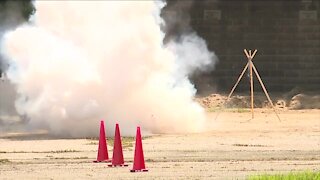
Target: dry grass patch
x=3, y=161
x=57, y=151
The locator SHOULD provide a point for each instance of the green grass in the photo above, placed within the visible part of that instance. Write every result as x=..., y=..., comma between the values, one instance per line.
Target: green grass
x=305, y=175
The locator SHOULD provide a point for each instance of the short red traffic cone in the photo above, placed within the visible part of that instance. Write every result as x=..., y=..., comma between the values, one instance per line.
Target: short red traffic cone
x=138, y=163
x=117, y=158
x=102, y=150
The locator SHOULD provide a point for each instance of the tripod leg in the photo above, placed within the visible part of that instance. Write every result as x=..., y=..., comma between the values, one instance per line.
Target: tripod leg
x=246, y=52
x=254, y=53
x=265, y=90
x=251, y=87
x=233, y=88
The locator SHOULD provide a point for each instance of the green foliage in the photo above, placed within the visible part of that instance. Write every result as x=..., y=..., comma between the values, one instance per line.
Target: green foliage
x=305, y=175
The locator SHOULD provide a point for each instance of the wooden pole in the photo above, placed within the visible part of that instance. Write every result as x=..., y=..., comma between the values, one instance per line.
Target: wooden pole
x=246, y=52
x=251, y=67
x=251, y=87
x=235, y=85
x=233, y=88
x=265, y=90
x=254, y=53
x=250, y=57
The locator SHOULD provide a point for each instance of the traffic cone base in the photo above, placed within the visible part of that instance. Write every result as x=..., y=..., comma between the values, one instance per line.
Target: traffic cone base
x=141, y=170
x=118, y=165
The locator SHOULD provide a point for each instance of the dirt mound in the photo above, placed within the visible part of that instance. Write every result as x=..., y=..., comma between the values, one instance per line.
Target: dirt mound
x=303, y=101
x=212, y=101
x=298, y=101
x=238, y=101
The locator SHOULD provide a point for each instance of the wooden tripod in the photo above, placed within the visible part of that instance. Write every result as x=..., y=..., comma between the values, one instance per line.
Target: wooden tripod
x=251, y=67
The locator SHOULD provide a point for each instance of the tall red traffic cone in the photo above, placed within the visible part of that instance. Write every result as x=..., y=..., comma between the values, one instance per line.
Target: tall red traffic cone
x=102, y=149
x=138, y=163
x=117, y=158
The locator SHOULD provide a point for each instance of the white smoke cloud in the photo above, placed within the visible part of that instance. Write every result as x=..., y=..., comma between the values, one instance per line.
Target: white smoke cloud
x=191, y=54
x=84, y=61
x=11, y=15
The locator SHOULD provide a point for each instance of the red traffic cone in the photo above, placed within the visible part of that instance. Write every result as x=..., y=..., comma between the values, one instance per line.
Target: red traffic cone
x=102, y=150
x=138, y=163
x=117, y=158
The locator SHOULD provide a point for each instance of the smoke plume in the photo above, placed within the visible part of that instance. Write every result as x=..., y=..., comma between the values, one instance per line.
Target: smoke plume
x=79, y=62
x=12, y=14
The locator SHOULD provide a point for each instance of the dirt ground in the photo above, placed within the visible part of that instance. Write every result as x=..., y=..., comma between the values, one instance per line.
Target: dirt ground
x=233, y=148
